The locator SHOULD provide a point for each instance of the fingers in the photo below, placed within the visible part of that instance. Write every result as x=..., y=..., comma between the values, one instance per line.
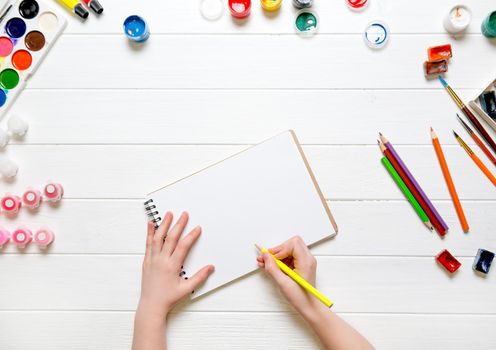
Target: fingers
x=272, y=269
x=199, y=278
x=160, y=232
x=149, y=239
x=174, y=234
x=293, y=248
x=185, y=245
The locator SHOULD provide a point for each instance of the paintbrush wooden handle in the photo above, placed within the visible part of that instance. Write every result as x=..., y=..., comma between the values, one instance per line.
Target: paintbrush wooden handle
x=475, y=122
x=483, y=147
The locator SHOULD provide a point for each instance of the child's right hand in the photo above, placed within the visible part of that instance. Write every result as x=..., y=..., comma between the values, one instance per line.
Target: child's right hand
x=296, y=255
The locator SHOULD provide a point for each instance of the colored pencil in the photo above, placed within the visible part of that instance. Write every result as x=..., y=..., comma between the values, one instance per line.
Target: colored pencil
x=476, y=159
x=449, y=181
x=415, y=184
x=473, y=119
x=432, y=218
x=298, y=279
x=421, y=213
x=477, y=140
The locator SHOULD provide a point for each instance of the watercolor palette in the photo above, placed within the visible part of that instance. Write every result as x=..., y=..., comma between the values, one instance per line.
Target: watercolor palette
x=485, y=104
x=28, y=29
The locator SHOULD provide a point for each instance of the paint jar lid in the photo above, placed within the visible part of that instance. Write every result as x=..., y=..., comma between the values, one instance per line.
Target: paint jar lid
x=211, y=10
x=376, y=34
x=306, y=22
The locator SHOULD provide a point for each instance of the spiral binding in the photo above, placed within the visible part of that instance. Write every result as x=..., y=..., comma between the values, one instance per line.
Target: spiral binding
x=152, y=213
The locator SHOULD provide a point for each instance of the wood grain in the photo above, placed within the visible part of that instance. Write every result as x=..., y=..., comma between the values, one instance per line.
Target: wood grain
x=142, y=169
x=167, y=116
x=355, y=284
x=118, y=226
x=337, y=62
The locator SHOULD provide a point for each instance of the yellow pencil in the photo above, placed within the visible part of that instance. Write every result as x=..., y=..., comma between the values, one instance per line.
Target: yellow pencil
x=298, y=279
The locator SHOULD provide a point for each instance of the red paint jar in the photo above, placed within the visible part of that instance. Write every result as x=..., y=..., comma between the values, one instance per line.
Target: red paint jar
x=240, y=8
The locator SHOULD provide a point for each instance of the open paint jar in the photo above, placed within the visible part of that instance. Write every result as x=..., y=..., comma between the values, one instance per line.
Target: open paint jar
x=306, y=22
x=376, y=34
x=357, y=5
x=239, y=8
x=136, y=28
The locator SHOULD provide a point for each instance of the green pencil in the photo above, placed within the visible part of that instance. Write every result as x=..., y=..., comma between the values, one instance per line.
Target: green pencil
x=406, y=192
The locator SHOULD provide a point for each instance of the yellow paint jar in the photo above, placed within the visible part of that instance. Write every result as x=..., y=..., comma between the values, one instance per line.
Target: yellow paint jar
x=271, y=5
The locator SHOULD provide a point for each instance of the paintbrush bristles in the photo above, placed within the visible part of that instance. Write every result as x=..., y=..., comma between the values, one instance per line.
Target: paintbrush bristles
x=258, y=247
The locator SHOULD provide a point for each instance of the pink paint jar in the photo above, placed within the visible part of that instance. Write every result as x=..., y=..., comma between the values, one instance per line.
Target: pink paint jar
x=43, y=238
x=53, y=192
x=10, y=204
x=31, y=198
x=21, y=237
x=4, y=237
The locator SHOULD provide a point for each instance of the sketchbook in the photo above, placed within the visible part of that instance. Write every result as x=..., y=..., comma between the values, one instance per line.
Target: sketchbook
x=264, y=194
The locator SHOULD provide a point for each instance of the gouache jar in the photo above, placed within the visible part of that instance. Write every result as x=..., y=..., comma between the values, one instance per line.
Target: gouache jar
x=53, y=192
x=488, y=26
x=10, y=204
x=4, y=237
x=271, y=5
x=21, y=237
x=43, y=238
x=136, y=29
x=240, y=8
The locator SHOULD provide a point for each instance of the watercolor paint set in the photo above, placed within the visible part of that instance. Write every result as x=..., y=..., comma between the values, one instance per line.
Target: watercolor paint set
x=28, y=29
x=485, y=104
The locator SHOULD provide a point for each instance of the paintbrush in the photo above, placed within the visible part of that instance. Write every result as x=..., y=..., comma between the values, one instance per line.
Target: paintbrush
x=477, y=140
x=475, y=122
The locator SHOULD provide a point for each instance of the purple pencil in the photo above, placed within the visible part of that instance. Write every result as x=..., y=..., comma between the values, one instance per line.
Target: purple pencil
x=413, y=181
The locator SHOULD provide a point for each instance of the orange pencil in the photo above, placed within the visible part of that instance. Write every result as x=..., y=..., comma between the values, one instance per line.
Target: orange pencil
x=449, y=181
x=476, y=159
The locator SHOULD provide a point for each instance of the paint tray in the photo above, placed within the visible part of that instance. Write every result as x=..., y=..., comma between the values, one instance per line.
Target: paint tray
x=485, y=104
x=28, y=29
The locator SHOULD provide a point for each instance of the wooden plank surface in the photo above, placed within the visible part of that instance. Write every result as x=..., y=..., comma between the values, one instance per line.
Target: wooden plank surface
x=355, y=284
x=112, y=330
x=117, y=227
x=337, y=62
x=112, y=121
x=166, y=116
x=144, y=168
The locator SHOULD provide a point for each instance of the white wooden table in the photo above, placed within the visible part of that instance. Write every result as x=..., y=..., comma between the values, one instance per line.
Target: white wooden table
x=112, y=122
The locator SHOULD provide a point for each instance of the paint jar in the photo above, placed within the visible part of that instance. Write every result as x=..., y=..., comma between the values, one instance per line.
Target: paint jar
x=357, y=5
x=306, y=22
x=301, y=4
x=240, y=8
x=488, y=26
x=457, y=19
x=21, y=237
x=11, y=204
x=136, y=29
x=53, y=192
x=376, y=34
x=271, y=5
x=211, y=10
x=4, y=237
x=43, y=238
x=31, y=198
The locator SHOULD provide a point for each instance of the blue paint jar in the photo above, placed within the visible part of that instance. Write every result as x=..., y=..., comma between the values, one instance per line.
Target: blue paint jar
x=136, y=28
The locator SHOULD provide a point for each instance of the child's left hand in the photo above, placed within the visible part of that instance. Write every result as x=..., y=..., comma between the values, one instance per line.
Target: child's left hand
x=162, y=286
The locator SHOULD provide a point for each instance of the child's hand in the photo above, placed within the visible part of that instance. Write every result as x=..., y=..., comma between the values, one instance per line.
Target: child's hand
x=162, y=286
x=296, y=255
